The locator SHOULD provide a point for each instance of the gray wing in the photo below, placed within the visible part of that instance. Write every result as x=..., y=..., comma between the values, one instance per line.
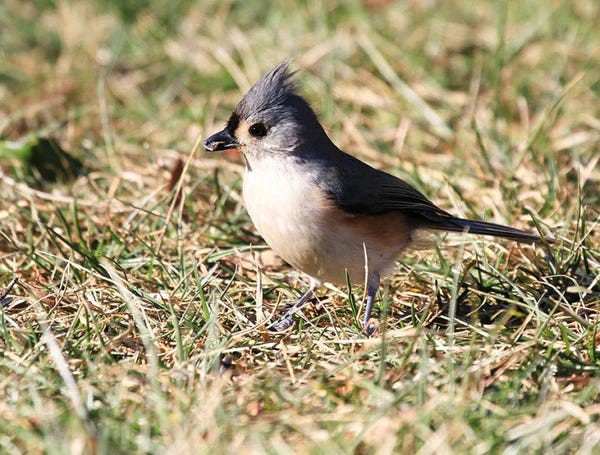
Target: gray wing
x=360, y=189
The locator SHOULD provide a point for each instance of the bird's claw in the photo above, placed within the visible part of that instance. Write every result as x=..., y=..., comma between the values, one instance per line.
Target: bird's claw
x=370, y=326
x=283, y=324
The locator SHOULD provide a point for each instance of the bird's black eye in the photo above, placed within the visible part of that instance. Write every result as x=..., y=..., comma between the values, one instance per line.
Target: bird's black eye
x=258, y=130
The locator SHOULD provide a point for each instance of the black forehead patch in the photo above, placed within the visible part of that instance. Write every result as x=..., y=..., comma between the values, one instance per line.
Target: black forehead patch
x=232, y=123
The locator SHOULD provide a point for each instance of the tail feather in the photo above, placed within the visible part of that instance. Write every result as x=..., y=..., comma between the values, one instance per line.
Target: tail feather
x=486, y=228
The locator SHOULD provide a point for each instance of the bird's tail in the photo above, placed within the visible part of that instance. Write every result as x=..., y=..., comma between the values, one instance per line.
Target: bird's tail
x=486, y=228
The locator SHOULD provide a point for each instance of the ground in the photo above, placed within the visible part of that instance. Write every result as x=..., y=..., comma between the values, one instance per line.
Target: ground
x=138, y=319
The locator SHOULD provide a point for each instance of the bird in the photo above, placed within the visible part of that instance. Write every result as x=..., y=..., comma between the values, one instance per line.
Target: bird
x=322, y=210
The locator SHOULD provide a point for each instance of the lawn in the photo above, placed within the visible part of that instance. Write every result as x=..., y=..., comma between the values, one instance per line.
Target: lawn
x=136, y=294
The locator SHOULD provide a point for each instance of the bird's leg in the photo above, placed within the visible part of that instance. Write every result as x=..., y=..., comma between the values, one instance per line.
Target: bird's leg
x=287, y=320
x=372, y=286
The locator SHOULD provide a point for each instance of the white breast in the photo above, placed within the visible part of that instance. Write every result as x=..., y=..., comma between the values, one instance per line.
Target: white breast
x=286, y=210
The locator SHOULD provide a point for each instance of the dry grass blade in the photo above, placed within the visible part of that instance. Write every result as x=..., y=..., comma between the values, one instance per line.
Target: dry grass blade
x=436, y=122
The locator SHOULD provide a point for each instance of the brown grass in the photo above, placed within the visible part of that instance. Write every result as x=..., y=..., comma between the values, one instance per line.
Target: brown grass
x=138, y=321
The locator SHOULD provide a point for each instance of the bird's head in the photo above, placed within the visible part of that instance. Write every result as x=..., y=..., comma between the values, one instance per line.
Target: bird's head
x=272, y=118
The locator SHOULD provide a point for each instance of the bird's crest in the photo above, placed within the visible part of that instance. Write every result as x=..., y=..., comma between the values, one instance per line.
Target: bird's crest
x=271, y=90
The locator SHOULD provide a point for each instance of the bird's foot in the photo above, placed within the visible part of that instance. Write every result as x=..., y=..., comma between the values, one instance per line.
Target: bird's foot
x=287, y=320
x=370, y=326
x=283, y=324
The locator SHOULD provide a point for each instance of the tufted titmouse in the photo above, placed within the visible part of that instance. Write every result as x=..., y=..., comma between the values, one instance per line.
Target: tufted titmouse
x=322, y=210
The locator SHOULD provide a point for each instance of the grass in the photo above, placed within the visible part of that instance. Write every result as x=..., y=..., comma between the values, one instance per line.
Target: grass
x=138, y=320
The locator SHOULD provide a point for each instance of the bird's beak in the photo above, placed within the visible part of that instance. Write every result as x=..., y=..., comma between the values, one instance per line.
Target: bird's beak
x=220, y=141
